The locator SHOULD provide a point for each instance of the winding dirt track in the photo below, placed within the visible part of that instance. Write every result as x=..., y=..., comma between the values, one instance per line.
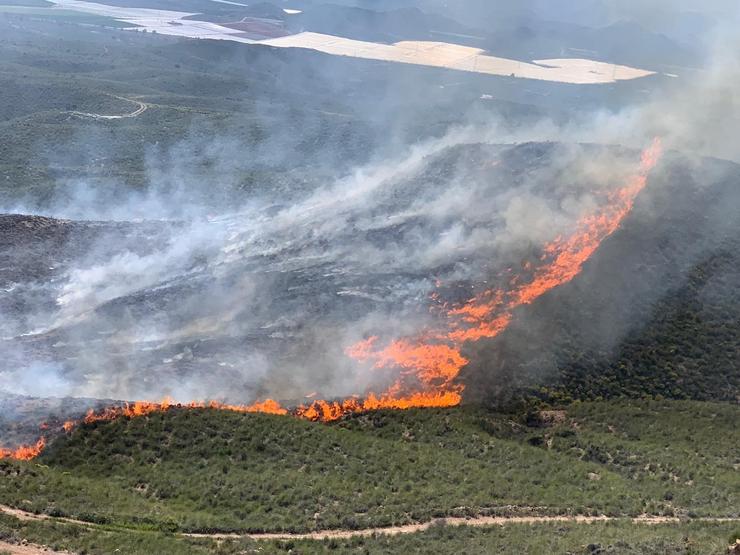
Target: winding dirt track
x=389, y=530
x=142, y=107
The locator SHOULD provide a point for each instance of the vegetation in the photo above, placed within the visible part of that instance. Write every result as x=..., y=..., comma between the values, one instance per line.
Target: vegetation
x=680, y=456
x=688, y=349
x=29, y=3
x=40, y=11
x=622, y=538
x=205, y=470
x=654, y=314
x=144, y=480
x=617, y=537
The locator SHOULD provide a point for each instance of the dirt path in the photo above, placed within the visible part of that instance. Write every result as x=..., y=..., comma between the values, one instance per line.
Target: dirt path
x=27, y=549
x=25, y=515
x=475, y=522
x=142, y=107
x=388, y=530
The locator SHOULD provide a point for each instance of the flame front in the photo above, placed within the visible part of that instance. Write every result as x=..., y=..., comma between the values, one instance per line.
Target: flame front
x=24, y=452
x=428, y=365
x=142, y=408
x=428, y=368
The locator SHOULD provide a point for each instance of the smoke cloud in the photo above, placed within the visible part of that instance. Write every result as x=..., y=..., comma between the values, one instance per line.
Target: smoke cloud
x=177, y=289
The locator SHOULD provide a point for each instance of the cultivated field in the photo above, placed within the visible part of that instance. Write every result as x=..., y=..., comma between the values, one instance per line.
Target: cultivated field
x=432, y=54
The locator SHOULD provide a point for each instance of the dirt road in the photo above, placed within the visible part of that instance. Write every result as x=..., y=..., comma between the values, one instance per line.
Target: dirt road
x=389, y=530
x=142, y=107
x=27, y=549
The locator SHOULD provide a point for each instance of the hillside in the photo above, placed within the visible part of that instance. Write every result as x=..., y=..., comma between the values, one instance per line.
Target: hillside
x=626, y=326
x=369, y=277
x=653, y=313
x=204, y=470
x=207, y=471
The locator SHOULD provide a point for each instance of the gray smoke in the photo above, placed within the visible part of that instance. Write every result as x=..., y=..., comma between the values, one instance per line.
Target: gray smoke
x=243, y=300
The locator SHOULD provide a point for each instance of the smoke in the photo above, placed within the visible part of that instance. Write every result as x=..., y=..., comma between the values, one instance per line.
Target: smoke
x=210, y=304
x=36, y=379
x=263, y=301
x=241, y=292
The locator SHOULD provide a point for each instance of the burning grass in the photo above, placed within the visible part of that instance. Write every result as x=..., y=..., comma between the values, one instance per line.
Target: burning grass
x=24, y=452
x=428, y=365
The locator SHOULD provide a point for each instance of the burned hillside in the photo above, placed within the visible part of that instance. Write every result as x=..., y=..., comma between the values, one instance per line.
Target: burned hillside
x=264, y=303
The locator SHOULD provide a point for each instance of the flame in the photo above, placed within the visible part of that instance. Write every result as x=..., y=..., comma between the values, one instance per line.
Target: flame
x=428, y=365
x=24, y=452
x=434, y=365
x=143, y=408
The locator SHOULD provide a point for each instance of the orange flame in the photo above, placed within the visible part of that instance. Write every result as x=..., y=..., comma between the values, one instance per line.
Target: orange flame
x=429, y=365
x=24, y=452
x=434, y=365
x=143, y=408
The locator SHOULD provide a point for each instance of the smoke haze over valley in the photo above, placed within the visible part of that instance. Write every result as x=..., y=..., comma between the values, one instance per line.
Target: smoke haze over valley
x=190, y=288
x=233, y=296
x=369, y=276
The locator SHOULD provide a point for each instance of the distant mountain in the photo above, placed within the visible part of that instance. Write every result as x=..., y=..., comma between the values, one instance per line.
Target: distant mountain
x=624, y=42
x=409, y=23
x=512, y=31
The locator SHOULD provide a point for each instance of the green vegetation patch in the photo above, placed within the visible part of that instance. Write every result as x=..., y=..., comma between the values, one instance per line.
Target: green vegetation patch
x=206, y=470
x=68, y=16
x=618, y=537
x=679, y=457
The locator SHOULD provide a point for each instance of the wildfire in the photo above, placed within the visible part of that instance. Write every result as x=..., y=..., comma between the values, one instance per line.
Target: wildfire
x=429, y=365
x=142, y=408
x=24, y=452
x=429, y=368
x=131, y=410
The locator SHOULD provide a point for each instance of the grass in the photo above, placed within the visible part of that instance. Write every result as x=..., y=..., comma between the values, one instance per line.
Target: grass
x=205, y=470
x=686, y=451
x=33, y=10
x=621, y=538
x=82, y=540
x=681, y=456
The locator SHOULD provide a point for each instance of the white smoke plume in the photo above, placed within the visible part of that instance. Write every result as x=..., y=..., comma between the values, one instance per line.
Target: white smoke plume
x=260, y=298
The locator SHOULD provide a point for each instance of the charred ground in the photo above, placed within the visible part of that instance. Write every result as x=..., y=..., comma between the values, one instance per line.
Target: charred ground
x=661, y=291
